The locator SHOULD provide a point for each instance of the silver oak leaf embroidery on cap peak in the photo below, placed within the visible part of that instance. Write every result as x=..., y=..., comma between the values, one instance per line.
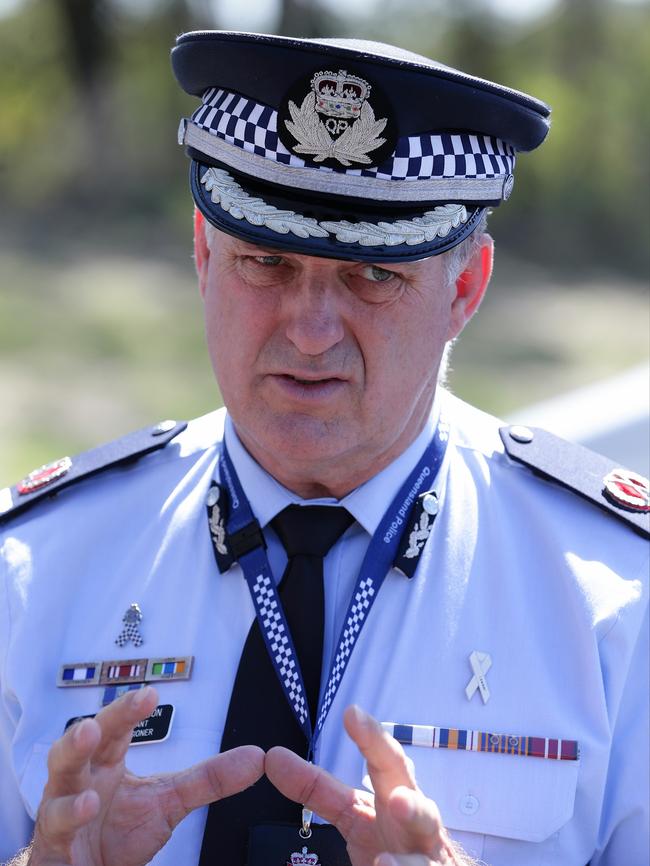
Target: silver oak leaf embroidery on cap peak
x=241, y=205
x=434, y=223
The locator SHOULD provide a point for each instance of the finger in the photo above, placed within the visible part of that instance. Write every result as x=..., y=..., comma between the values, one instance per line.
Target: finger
x=59, y=818
x=403, y=860
x=68, y=759
x=217, y=777
x=116, y=722
x=387, y=764
x=419, y=822
x=315, y=788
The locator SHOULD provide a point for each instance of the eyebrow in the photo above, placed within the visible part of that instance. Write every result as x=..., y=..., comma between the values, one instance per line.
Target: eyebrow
x=254, y=248
x=241, y=245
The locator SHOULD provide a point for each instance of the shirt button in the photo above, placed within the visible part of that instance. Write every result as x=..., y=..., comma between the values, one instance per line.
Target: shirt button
x=469, y=804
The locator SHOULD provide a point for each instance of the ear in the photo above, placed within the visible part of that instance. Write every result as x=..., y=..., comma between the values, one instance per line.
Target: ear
x=471, y=285
x=201, y=250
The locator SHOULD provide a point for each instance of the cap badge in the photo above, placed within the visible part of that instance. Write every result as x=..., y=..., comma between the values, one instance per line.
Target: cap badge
x=335, y=122
x=627, y=489
x=44, y=475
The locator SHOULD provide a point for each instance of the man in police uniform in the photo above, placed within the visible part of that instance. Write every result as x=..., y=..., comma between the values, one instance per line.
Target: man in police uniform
x=484, y=595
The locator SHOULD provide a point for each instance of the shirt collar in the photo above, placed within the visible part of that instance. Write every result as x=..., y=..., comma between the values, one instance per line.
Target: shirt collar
x=366, y=503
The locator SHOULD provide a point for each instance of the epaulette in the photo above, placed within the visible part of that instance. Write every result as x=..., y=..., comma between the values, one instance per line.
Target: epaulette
x=618, y=491
x=53, y=477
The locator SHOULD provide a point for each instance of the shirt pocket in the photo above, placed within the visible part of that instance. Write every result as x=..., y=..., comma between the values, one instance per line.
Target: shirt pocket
x=499, y=805
x=185, y=746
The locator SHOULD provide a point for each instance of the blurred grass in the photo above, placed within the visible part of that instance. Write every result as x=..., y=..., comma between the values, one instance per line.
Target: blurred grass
x=93, y=347
x=95, y=343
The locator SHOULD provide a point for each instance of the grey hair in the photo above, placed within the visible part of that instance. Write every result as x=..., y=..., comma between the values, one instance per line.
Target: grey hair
x=210, y=234
x=455, y=262
x=456, y=259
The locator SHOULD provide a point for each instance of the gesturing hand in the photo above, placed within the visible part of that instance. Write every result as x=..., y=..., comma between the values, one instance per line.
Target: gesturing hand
x=95, y=812
x=399, y=826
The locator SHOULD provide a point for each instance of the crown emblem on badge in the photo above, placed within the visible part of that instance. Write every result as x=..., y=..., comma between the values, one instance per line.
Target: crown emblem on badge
x=335, y=120
x=339, y=94
x=304, y=858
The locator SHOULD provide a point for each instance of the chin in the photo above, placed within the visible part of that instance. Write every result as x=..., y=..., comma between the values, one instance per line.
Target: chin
x=299, y=438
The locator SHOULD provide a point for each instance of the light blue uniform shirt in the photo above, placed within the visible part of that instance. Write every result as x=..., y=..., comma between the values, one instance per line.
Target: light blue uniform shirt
x=554, y=590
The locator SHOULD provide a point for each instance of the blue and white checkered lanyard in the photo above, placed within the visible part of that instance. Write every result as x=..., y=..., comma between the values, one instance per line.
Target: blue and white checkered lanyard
x=374, y=568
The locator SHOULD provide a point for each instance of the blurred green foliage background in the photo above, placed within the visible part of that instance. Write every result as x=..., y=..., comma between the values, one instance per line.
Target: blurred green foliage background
x=100, y=324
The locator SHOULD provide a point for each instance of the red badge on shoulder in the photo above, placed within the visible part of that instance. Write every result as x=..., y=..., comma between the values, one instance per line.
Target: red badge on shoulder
x=627, y=489
x=45, y=475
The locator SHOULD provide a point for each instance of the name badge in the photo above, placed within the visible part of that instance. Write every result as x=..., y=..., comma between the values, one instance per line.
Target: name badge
x=154, y=729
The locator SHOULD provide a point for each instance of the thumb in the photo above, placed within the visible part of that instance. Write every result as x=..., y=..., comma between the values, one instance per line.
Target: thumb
x=315, y=788
x=213, y=779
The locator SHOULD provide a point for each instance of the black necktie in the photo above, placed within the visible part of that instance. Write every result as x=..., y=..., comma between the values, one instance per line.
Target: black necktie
x=259, y=713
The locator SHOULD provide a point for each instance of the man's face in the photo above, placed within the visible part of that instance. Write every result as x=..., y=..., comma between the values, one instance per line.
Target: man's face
x=328, y=368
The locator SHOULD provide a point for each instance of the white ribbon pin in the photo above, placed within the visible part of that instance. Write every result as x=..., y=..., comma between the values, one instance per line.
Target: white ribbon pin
x=481, y=664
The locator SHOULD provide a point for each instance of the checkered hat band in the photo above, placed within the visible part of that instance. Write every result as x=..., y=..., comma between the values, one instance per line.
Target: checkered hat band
x=253, y=127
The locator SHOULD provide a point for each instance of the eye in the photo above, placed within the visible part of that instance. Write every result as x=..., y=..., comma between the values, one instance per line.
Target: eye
x=268, y=261
x=264, y=270
x=375, y=274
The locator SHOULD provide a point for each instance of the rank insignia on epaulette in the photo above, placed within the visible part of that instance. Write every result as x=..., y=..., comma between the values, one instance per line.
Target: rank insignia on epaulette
x=627, y=489
x=44, y=475
x=416, y=534
x=51, y=479
x=619, y=492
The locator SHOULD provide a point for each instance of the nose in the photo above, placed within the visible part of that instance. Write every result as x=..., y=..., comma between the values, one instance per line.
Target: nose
x=314, y=320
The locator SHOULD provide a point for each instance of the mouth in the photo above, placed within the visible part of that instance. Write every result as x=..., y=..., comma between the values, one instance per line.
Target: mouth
x=308, y=387
x=310, y=381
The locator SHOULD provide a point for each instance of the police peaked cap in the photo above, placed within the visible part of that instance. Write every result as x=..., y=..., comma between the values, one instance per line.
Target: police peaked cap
x=344, y=148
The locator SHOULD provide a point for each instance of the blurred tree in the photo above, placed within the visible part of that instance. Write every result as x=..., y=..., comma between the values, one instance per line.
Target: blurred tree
x=302, y=18
x=90, y=107
x=87, y=52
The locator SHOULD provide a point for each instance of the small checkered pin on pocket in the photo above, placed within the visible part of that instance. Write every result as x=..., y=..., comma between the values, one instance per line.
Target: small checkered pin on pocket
x=131, y=631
